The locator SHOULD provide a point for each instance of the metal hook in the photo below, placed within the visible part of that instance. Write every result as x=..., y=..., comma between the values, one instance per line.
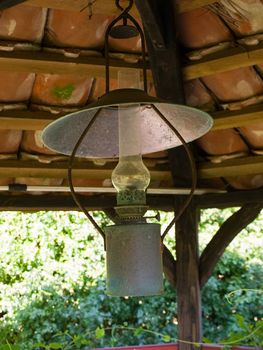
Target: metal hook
x=126, y=9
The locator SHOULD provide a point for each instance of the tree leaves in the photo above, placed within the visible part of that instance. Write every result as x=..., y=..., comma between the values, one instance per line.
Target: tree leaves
x=99, y=333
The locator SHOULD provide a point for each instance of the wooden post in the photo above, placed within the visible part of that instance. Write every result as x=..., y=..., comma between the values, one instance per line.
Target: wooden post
x=188, y=288
x=160, y=31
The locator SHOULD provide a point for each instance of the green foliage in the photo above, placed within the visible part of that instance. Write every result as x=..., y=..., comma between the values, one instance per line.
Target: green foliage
x=52, y=289
x=63, y=93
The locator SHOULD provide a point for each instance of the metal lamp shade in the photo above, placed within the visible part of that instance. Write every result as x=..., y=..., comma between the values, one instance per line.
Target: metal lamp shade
x=102, y=140
x=134, y=260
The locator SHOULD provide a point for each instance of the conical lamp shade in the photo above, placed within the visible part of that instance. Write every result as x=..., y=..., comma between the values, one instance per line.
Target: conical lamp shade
x=102, y=140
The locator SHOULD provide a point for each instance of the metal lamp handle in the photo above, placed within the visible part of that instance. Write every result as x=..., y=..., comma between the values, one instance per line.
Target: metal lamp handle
x=124, y=15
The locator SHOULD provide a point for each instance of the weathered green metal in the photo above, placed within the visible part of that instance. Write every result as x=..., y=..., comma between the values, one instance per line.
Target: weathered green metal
x=134, y=260
x=131, y=196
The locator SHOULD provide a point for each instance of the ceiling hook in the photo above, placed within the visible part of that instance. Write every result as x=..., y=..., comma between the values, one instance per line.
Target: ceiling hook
x=126, y=9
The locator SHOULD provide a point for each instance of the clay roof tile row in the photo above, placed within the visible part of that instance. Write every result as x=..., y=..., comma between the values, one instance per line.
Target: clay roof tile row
x=201, y=31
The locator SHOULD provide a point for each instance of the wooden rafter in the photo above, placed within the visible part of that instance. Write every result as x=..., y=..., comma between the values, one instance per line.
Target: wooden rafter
x=223, y=61
x=169, y=266
x=37, y=120
x=226, y=233
x=87, y=170
x=108, y=6
x=230, y=199
x=22, y=168
x=72, y=5
x=232, y=167
x=25, y=119
x=30, y=202
x=55, y=63
x=234, y=119
x=47, y=62
x=186, y=5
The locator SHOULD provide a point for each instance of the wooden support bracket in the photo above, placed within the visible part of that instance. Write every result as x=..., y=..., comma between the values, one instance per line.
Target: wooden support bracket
x=224, y=236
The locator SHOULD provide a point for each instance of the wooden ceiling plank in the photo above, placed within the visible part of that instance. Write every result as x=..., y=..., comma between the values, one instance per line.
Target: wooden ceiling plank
x=29, y=202
x=82, y=170
x=72, y=5
x=232, y=167
x=46, y=62
x=55, y=63
x=223, y=61
x=234, y=119
x=26, y=119
x=230, y=199
x=37, y=120
x=186, y=5
x=104, y=7
x=108, y=6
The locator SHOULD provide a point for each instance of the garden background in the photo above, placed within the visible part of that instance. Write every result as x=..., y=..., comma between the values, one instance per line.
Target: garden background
x=52, y=287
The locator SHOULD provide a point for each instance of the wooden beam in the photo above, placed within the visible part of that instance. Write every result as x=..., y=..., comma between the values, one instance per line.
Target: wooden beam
x=169, y=266
x=26, y=119
x=234, y=119
x=30, y=202
x=37, y=120
x=230, y=199
x=186, y=5
x=102, y=7
x=46, y=62
x=72, y=5
x=54, y=63
x=232, y=167
x=187, y=272
x=224, y=236
x=152, y=29
x=108, y=7
x=82, y=169
x=223, y=61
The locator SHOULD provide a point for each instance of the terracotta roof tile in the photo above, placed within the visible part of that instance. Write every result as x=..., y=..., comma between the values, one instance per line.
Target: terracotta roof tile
x=206, y=29
x=246, y=182
x=244, y=17
x=23, y=23
x=16, y=87
x=235, y=85
x=197, y=95
x=10, y=141
x=222, y=142
x=32, y=143
x=76, y=29
x=253, y=134
x=201, y=27
x=61, y=90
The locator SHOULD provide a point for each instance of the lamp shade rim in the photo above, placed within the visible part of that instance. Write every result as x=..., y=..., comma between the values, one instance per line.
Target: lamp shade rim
x=102, y=139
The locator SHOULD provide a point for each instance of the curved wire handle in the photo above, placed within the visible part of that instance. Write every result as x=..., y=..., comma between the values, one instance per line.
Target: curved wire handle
x=70, y=167
x=124, y=15
x=193, y=171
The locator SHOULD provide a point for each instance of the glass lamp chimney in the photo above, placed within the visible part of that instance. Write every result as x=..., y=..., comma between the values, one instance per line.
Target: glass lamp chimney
x=130, y=177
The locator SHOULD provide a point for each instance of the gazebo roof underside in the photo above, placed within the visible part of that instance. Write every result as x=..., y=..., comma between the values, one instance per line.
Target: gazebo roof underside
x=52, y=63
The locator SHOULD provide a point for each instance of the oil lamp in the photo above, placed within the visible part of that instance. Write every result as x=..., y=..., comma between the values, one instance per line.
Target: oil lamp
x=127, y=123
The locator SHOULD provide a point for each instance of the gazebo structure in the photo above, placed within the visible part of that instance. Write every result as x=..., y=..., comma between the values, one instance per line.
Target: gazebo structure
x=201, y=53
